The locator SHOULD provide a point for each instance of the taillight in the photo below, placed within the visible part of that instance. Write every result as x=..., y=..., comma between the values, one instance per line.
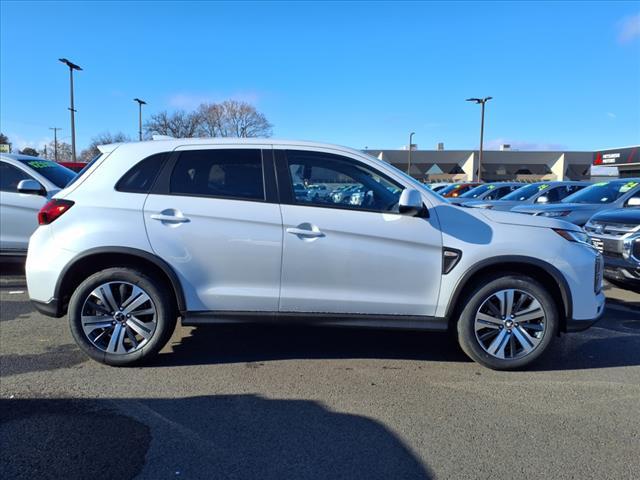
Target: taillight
x=52, y=210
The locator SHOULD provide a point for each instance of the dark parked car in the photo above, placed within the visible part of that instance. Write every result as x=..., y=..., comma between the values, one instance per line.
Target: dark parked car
x=488, y=191
x=616, y=233
x=456, y=189
x=581, y=206
x=531, y=194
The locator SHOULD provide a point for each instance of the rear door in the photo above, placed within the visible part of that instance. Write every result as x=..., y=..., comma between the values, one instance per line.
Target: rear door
x=350, y=251
x=18, y=211
x=213, y=216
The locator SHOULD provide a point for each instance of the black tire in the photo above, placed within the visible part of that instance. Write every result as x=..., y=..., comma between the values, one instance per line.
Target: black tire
x=166, y=315
x=466, y=323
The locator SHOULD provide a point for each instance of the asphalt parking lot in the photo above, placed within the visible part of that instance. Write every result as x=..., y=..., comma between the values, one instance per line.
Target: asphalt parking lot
x=304, y=403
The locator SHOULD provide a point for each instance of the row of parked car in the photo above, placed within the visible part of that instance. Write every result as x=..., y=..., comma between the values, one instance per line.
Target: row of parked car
x=609, y=212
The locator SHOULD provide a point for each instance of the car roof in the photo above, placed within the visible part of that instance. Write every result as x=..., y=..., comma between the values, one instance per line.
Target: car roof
x=19, y=156
x=172, y=143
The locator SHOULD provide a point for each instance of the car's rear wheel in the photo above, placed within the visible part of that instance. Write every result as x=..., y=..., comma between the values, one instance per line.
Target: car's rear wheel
x=121, y=316
x=508, y=322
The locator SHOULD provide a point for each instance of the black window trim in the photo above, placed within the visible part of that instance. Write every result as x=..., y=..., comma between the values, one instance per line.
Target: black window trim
x=163, y=180
x=285, y=182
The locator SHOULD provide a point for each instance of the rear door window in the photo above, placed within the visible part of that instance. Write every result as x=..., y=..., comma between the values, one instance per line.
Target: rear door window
x=220, y=173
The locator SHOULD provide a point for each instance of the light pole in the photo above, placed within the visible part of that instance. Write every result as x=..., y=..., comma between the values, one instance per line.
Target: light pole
x=140, y=103
x=55, y=142
x=481, y=101
x=72, y=67
x=410, y=144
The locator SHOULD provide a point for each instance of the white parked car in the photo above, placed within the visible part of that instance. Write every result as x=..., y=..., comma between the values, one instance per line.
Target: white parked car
x=26, y=183
x=214, y=231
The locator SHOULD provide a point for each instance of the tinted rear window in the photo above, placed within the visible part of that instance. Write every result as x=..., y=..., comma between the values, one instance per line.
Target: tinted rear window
x=223, y=173
x=57, y=174
x=140, y=178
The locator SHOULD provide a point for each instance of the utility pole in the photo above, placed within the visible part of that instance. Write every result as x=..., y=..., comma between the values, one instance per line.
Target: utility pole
x=72, y=67
x=410, y=146
x=55, y=142
x=140, y=103
x=480, y=101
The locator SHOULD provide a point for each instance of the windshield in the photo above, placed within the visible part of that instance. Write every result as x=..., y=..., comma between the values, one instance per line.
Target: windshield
x=601, y=192
x=54, y=172
x=526, y=193
x=476, y=192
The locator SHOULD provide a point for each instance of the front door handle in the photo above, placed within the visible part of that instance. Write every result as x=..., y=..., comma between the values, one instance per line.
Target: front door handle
x=305, y=233
x=169, y=218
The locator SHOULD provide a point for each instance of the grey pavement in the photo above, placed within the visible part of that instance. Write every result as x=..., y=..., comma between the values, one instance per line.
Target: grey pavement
x=246, y=402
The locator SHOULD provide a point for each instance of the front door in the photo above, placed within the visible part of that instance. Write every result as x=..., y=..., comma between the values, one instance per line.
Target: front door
x=346, y=249
x=215, y=220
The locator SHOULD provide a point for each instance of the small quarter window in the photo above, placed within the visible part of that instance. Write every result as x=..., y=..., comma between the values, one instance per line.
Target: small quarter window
x=223, y=173
x=140, y=178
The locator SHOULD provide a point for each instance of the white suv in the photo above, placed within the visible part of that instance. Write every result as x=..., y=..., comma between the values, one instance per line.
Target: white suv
x=229, y=231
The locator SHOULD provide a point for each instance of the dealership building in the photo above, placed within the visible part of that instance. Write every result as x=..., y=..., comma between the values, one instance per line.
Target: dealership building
x=626, y=160
x=504, y=164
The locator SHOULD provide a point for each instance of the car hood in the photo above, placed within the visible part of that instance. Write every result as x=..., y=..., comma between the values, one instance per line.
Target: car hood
x=511, y=218
x=483, y=203
x=559, y=207
x=619, y=215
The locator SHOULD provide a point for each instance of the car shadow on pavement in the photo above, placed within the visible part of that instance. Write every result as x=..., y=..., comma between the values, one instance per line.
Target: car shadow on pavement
x=249, y=343
x=217, y=436
x=613, y=342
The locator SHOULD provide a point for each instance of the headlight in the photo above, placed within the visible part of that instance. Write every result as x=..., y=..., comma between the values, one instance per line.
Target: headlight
x=573, y=236
x=631, y=248
x=557, y=213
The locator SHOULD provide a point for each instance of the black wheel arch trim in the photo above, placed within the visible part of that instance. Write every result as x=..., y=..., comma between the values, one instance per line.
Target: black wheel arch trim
x=135, y=252
x=565, y=290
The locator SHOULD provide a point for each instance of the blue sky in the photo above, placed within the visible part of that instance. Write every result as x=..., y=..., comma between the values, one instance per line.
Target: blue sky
x=563, y=75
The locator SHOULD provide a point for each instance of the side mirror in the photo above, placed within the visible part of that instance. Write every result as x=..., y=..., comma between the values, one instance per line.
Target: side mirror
x=31, y=187
x=410, y=203
x=633, y=202
x=542, y=199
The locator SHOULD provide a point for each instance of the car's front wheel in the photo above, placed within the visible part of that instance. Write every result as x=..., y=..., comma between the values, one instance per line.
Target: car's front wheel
x=121, y=316
x=508, y=322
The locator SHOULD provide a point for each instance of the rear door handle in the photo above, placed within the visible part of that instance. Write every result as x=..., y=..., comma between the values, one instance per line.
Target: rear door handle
x=305, y=233
x=169, y=218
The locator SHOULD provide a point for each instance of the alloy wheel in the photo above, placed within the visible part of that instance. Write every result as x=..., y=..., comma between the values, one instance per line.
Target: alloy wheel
x=510, y=324
x=119, y=317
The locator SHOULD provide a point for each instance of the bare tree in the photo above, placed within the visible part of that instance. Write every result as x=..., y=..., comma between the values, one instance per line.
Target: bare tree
x=240, y=119
x=230, y=118
x=179, y=124
x=104, y=138
x=211, y=116
x=64, y=151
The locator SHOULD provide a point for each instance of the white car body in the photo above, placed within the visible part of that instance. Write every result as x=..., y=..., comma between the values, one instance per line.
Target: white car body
x=18, y=211
x=230, y=260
